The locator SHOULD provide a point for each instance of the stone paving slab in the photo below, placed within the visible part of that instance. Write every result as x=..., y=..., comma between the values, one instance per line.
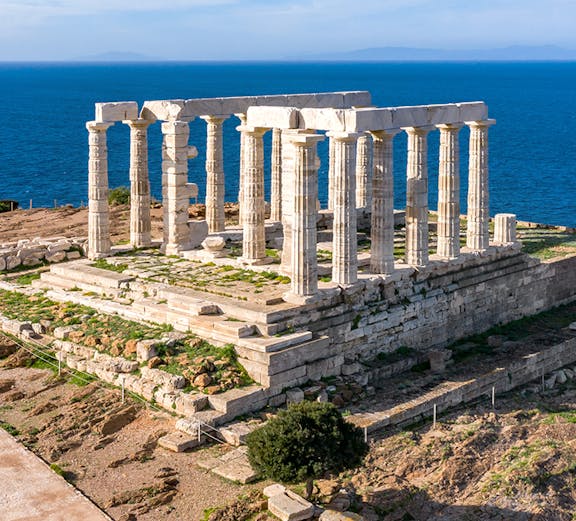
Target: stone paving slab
x=30, y=491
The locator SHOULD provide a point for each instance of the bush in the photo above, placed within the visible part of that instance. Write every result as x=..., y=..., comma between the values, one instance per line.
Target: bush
x=119, y=195
x=305, y=442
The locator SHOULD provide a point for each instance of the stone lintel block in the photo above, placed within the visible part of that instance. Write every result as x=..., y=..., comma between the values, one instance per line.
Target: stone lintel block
x=360, y=98
x=116, y=111
x=323, y=119
x=164, y=110
x=273, y=117
x=361, y=120
x=473, y=111
x=202, y=107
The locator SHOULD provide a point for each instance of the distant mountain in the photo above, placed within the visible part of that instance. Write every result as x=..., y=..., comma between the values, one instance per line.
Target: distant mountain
x=115, y=56
x=512, y=53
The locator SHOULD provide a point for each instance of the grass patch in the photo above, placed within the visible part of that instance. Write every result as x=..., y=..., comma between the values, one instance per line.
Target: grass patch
x=10, y=429
x=103, y=264
x=25, y=280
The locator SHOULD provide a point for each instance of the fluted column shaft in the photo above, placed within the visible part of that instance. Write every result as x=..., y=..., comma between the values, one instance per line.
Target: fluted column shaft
x=242, y=118
x=98, y=210
x=363, y=171
x=382, y=218
x=449, y=192
x=215, y=185
x=345, y=247
x=253, y=226
x=175, y=190
x=276, y=181
x=304, y=189
x=140, y=221
x=330, y=174
x=478, y=233
x=417, y=196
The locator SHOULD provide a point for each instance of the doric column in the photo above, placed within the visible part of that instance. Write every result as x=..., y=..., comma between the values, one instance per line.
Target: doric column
x=363, y=173
x=242, y=117
x=214, y=174
x=382, y=218
x=345, y=246
x=140, y=222
x=478, y=234
x=304, y=196
x=330, y=174
x=276, y=181
x=253, y=227
x=98, y=209
x=449, y=192
x=417, y=196
x=175, y=189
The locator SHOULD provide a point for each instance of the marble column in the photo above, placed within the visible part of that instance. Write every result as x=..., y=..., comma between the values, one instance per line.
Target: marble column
x=98, y=210
x=276, y=181
x=175, y=189
x=449, y=192
x=330, y=174
x=140, y=221
x=214, y=174
x=382, y=218
x=304, y=196
x=288, y=153
x=253, y=226
x=242, y=118
x=478, y=234
x=505, y=229
x=417, y=196
x=345, y=246
x=363, y=171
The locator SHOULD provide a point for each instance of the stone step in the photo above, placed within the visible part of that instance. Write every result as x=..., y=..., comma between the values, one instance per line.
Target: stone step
x=51, y=279
x=270, y=344
x=179, y=441
x=79, y=271
x=239, y=401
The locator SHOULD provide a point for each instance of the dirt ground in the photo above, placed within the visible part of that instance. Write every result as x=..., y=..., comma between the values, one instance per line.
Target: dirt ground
x=108, y=449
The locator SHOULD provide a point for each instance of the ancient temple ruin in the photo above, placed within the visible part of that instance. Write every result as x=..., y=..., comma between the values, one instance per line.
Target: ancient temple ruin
x=370, y=302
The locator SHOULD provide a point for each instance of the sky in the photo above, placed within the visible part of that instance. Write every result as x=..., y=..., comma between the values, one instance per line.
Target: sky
x=273, y=29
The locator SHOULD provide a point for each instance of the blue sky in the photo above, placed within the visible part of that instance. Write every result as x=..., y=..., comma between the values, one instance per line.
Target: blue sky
x=269, y=29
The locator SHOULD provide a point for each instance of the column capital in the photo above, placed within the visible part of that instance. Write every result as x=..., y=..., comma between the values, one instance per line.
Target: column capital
x=256, y=131
x=242, y=117
x=344, y=136
x=303, y=139
x=481, y=124
x=450, y=126
x=419, y=130
x=98, y=126
x=174, y=127
x=138, y=123
x=215, y=118
x=381, y=134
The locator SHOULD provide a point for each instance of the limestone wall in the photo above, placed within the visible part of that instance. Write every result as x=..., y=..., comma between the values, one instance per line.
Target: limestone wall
x=421, y=310
x=33, y=252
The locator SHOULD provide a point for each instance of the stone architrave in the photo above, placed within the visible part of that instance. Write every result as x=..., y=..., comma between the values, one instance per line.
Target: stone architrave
x=253, y=226
x=363, y=171
x=175, y=188
x=417, y=196
x=215, y=185
x=449, y=192
x=140, y=221
x=304, y=190
x=478, y=233
x=276, y=177
x=345, y=246
x=382, y=218
x=242, y=118
x=98, y=210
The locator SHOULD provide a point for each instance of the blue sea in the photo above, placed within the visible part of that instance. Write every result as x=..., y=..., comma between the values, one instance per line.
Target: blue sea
x=44, y=107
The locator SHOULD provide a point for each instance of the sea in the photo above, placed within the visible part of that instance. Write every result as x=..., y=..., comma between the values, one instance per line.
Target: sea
x=44, y=107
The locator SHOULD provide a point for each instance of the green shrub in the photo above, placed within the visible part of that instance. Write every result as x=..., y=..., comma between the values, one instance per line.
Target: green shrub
x=305, y=442
x=119, y=195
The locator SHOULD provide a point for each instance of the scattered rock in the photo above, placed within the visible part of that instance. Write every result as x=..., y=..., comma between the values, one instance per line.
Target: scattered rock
x=116, y=421
x=6, y=385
